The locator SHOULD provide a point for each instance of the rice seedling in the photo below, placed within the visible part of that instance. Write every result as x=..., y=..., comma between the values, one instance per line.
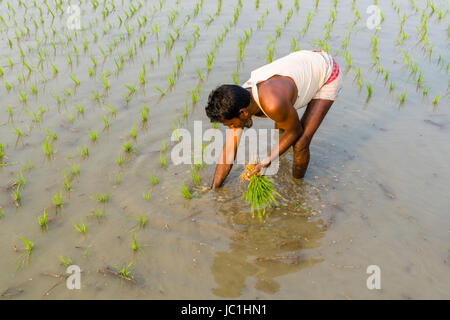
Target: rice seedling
x=105, y=122
x=42, y=220
x=7, y=85
x=65, y=261
x=119, y=160
x=57, y=200
x=15, y=194
x=51, y=134
x=95, y=95
x=22, y=96
x=425, y=91
x=2, y=151
x=162, y=160
x=170, y=81
x=146, y=195
x=20, y=180
x=195, y=176
x=144, y=114
x=153, y=179
x=142, y=222
x=436, y=99
x=84, y=151
x=194, y=96
x=130, y=88
x=200, y=74
x=105, y=82
x=111, y=109
x=10, y=112
x=66, y=183
x=391, y=86
x=134, y=245
x=369, y=90
x=185, y=192
x=127, y=146
x=97, y=213
x=93, y=135
x=133, y=131
x=75, y=80
x=75, y=169
x=402, y=97
x=33, y=89
x=159, y=90
x=47, y=146
x=29, y=245
x=124, y=272
x=18, y=132
x=100, y=197
x=80, y=109
x=81, y=228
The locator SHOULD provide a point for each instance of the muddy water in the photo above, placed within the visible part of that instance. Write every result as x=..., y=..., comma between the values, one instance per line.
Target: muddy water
x=376, y=192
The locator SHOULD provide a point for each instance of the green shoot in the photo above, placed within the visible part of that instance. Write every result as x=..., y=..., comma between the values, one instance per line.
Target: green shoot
x=84, y=151
x=93, y=135
x=42, y=220
x=153, y=179
x=100, y=197
x=124, y=272
x=65, y=261
x=81, y=228
x=57, y=200
x=134, y=243
x=185, y=192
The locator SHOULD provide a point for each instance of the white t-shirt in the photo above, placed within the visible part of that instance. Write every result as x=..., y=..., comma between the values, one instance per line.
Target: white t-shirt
x=309, y=70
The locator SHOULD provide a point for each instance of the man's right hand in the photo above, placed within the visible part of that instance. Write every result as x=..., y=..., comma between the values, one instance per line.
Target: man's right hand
x=227, y=157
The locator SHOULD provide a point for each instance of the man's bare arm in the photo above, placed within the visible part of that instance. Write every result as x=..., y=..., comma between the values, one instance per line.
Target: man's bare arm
x=226, y=157
x=285, y=117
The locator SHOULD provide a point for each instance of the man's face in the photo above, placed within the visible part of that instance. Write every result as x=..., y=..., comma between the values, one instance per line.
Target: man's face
x=243, y=121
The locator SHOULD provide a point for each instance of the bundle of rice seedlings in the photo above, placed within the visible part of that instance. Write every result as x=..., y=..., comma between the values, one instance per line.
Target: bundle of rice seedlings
x=260, y=192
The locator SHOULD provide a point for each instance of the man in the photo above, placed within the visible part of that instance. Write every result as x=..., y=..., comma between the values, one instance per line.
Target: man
x=276, y=91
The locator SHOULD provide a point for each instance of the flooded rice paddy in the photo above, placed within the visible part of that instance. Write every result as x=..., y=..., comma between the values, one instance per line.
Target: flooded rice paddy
x=86, y=118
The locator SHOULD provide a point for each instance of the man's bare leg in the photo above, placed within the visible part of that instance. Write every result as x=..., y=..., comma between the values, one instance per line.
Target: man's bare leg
x=311, y=120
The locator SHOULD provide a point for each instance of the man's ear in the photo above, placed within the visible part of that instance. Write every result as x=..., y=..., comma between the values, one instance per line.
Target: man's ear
x=243, y=113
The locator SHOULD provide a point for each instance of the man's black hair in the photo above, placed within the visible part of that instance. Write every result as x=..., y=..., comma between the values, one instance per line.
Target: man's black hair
x=225, y=101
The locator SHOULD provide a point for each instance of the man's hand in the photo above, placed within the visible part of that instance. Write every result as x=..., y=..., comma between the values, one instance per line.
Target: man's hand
x=259, y=169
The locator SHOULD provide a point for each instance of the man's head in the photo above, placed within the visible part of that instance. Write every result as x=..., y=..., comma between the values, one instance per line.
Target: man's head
x=228, y=104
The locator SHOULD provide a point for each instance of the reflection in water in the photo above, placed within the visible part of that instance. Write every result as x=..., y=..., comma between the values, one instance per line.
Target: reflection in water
x=265, y=251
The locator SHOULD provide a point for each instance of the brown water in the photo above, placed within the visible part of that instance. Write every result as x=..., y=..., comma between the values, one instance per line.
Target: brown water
x=376, y=192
